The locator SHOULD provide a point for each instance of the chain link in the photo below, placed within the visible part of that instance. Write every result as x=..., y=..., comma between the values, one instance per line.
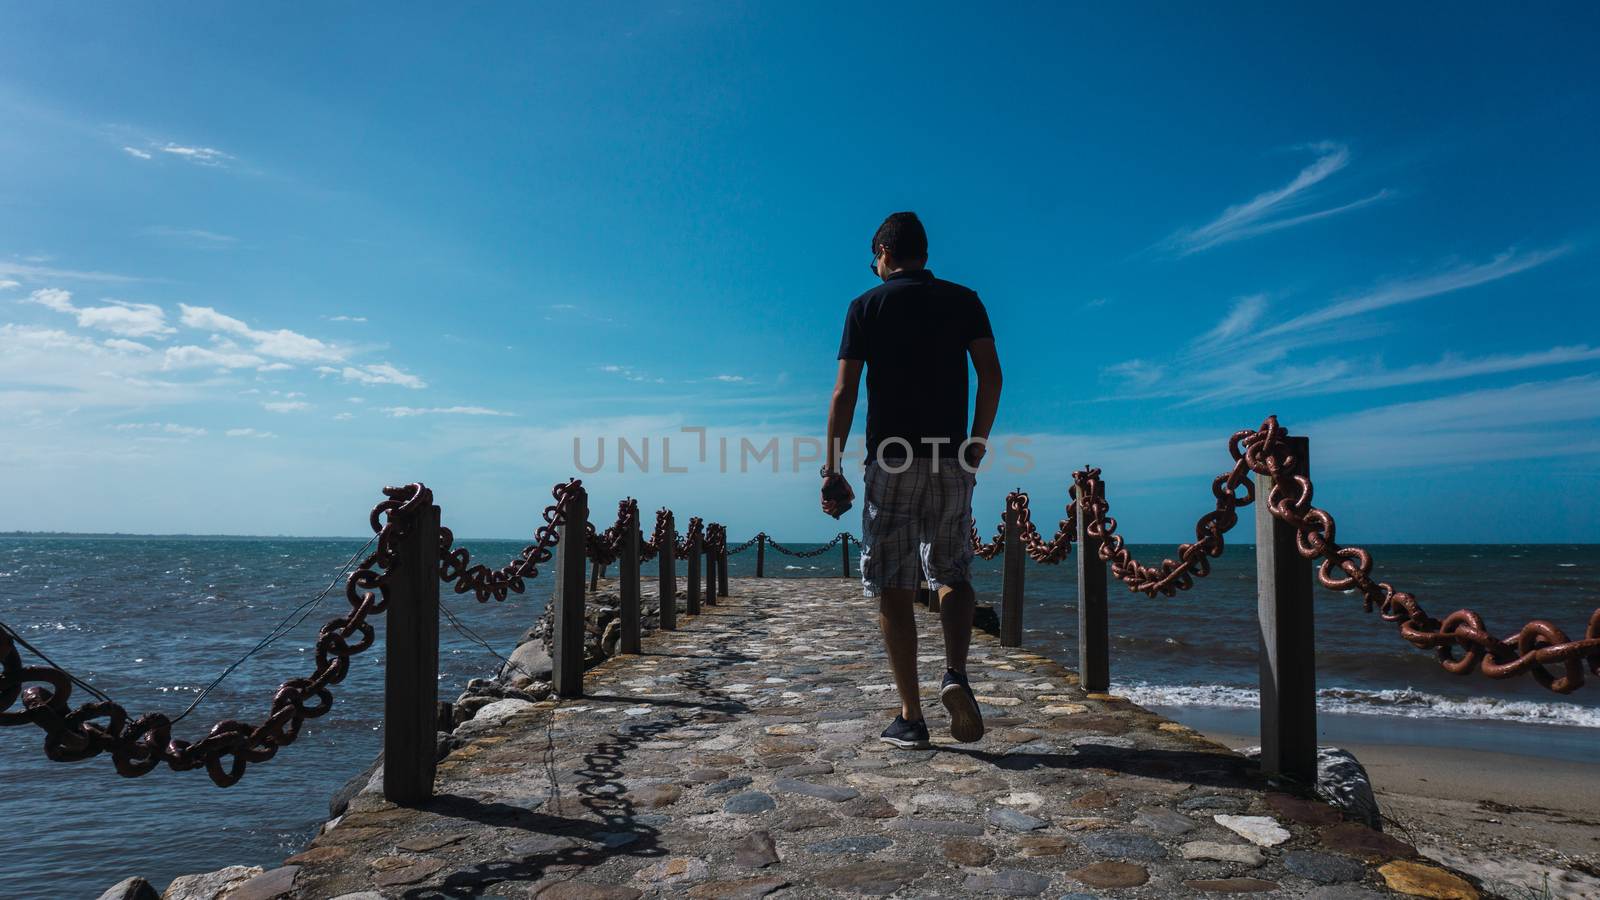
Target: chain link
x=807, y=554
x=456, y=570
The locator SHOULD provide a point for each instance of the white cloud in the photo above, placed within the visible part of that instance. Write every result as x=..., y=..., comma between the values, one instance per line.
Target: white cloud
x=347, y=318
x=249, y=433
x=205, y=156
x=27, y=269
x=1246, y=312
x=189, y=356
x=1259, y=215
x=6, y=284
x=136, y=153
x=401, y=412
x=377, y=373
x=133, y=320
x=275, y=367
x=281, y=343
x=164, y=428
x=1136, y=373
x=125, y=346
x=285, y=406
x=343, y=417
x=731, y=379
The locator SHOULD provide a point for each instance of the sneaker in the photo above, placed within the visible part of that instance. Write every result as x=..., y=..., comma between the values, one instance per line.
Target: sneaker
x=906, y=735
x=966, y=723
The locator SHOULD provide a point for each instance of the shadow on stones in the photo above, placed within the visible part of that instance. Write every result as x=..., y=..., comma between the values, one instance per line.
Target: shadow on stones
x=600, y=792
x=1185, y=766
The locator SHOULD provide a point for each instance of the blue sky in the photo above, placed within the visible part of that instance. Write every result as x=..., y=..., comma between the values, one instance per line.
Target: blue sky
x=256, y=262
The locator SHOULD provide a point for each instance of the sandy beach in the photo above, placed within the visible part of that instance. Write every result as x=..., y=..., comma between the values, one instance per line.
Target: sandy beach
x=1529, y=827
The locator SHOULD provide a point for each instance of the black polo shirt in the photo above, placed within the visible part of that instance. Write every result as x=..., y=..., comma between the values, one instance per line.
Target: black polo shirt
x=912, y=331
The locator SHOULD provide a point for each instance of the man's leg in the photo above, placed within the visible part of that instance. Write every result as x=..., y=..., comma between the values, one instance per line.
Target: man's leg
x=899, y=624
x=956, y=606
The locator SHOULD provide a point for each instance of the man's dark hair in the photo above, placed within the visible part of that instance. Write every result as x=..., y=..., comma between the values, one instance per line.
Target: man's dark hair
x=902, y=236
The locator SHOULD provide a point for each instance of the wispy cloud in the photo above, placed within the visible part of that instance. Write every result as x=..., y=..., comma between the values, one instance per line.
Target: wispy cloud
x=31, y=271
x=1409, y=290
x=1268, y=211
x=249, y=433
x=347, y=318
x=190, y=237
x=401, y=412
x=202, y=156
x=7, y=284
x=285, y=406
x=378, y=373
x=729, y=379
x=129, y=320
x=136, y=153
x=632, y=374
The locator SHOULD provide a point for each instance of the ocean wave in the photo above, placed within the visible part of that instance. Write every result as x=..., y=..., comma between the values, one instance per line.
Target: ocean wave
x=1404, y=702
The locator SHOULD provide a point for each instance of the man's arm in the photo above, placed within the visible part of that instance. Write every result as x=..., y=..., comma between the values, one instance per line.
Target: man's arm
x=842, y=409
x=986, y=362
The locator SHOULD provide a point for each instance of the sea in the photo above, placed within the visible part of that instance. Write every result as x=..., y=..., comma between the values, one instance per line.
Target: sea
x=152, y=620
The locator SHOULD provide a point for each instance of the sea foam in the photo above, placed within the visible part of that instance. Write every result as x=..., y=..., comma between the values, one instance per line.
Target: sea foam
x=1406, y=702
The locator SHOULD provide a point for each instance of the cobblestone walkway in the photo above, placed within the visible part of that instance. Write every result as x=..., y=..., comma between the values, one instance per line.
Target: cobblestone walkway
x=738, y=757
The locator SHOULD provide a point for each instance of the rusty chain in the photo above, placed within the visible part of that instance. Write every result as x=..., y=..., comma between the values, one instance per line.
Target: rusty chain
x=740, y=548
x=1050, y=552
x=456, y=570
x=138, y=746
x=807, y=554
x=694, y=534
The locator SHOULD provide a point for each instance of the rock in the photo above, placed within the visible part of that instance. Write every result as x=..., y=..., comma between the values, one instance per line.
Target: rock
x=755, y=850
x=1263, y=831
x=614, y=839
x=408, y=874
x=1094, y=800
x=1231, y=885
x=1123, y=845
x=134, y=888
x=870, y=808
x=1302, y=810
x=834, y=793
x=1421, y=880
x=865, y=843
x=654, y=796
x=1343, y=892
x=1111, y=875
x=1247, y=854
x=268, y=885
x=968, y=853
x=938, y=826
x=362, y=895
x=1213, y=801
x=210, y=885
x=1359, y=840
x=340, y=801
x=674, y=870
x=1014, y=820
x=539, y=845
x=800, y=820
x=1342, y=781
x=431, y=841
x=874, y=877
x=749, y=803
x=1031, y=845
x=703, y=776
x=1008, y=883
x=739, y=889
x=584, y=890
x=728, y=785
x=611, y=640
x=318, y=855
x=498, y=712
x=1164, y=821
x=1324, y=868
x=530, y=660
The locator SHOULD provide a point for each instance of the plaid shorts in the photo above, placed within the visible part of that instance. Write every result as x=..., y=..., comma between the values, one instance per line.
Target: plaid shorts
x=916, y=525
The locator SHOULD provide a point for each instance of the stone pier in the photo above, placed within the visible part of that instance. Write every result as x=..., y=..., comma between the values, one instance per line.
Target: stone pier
x=738, y=757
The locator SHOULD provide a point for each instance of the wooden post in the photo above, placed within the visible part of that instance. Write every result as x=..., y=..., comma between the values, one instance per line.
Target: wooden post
x=710, y=572
x=667, y=562
x=844, y=549
x=1288, y=646
x=761, y=555
x=628, y=572
x=1013, y=573
x=923, y=593
x=722, y=567
x=568, y=625
x=1094, y=625
x=594, y=577
x=411, y=665
x=692, y=591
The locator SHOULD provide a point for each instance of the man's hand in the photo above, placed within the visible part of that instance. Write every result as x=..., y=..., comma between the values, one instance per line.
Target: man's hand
x=836, y=495
x=972, y=455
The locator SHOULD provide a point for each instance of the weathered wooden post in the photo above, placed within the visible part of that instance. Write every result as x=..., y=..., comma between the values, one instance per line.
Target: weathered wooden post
x=568, y=625
x=1094, y=626
x=710, y=550
x=761, y=555
x=1288, y=646
x=844, y=549
x=667, y=562
x=722, y=565
x=692, y=591
x=628, y=573
x=411, y=664
x=1013, y=572
x=594, y=577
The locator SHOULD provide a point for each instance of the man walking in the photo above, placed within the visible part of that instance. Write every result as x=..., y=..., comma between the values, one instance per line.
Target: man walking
x=914, y=334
